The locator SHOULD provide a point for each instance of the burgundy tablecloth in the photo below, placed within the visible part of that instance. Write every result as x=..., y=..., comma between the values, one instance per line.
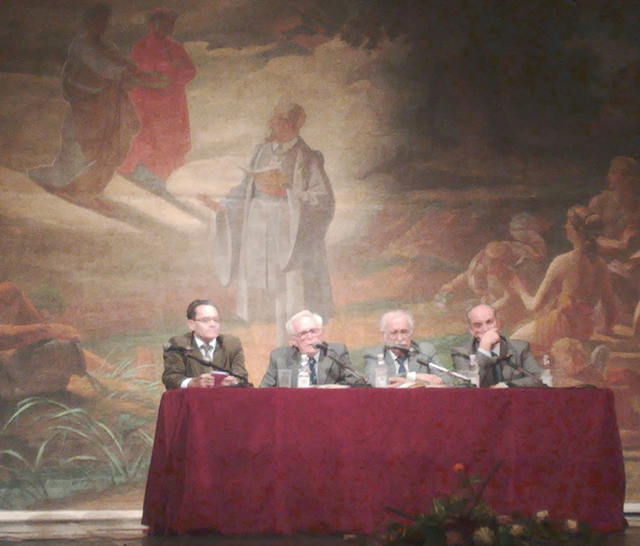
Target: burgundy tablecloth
x=290, y=461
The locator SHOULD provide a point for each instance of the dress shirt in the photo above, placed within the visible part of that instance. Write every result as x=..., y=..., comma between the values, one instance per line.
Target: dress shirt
x=199, y=344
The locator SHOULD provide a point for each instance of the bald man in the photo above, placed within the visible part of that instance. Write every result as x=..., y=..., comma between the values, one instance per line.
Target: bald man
x=501, y=362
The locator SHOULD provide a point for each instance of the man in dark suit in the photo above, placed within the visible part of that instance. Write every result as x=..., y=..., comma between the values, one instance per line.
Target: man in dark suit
x=190, y=360
x=329, y=363
x=406, y=359
x=500, y=362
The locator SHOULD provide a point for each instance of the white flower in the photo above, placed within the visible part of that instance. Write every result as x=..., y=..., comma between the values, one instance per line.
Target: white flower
x=542, y=515
x=571, y=525
x=484, y=535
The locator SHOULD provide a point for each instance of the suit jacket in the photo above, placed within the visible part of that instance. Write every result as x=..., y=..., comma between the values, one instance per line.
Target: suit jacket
x=423, y=351
x=514, y=351
x=328, y=371
x=181, y=359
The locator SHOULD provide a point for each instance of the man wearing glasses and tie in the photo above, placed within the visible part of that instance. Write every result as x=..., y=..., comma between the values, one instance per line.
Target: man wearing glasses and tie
x=406, y=360
x=329, y=363
x=202, y=357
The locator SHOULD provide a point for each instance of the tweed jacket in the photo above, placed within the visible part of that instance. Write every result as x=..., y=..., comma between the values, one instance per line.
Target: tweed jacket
x=182, y=359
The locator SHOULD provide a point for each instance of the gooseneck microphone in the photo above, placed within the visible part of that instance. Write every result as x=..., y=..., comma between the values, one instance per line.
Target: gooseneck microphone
x=429, y=363
x=507, y=360
x=183, y=350
x=324, y=348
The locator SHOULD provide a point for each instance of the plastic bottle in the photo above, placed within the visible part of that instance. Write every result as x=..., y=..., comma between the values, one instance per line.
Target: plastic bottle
x=381, y=378
x=474, y=372
x=304, y=373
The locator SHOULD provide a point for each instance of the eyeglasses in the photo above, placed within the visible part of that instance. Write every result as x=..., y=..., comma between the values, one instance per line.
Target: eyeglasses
x=310, y=332
x=208, y=320
x=396, y=333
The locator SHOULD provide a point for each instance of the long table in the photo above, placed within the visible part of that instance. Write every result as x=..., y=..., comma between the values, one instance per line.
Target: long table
x=285, y=461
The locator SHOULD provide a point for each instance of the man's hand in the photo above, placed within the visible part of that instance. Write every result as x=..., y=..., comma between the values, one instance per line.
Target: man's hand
x=396, y=381
x=273, y=190
x=229, y=381
x=488, y=340
x=206, y=380
x=429, y=378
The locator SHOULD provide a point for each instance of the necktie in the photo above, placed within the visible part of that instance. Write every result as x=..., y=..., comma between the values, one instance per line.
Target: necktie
x=401, y=367
x=206, y=351
x=497, y=369
x=312, y=367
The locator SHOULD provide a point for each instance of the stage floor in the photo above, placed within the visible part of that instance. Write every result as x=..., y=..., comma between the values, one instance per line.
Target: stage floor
x=123, y=534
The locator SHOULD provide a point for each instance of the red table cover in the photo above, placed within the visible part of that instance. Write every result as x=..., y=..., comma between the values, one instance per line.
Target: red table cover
x=288, y=461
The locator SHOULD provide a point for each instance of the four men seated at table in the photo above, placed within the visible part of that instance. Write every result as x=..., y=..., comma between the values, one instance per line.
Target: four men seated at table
x=206, y=358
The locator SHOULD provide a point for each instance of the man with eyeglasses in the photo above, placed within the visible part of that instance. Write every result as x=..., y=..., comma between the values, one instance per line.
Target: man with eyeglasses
x=406, y=359
x=200, y=358
x=329, y=363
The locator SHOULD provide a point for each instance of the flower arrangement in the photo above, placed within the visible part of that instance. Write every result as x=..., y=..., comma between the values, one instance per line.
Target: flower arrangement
x=463, y=518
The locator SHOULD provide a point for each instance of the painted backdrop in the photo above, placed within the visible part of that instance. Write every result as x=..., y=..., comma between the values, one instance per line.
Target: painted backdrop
x=454, y=142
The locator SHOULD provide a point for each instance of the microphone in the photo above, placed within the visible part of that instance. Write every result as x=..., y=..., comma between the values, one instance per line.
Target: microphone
x=413, y=350
x=507, y=360
x=178, y=349
x=325, y=349
x=404, y=350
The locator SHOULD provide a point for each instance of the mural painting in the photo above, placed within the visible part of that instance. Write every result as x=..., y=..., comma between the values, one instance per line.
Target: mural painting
x=349, y=158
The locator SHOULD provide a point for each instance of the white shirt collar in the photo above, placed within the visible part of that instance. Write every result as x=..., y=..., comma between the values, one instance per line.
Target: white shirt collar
x=284, y=146
x=200, y=343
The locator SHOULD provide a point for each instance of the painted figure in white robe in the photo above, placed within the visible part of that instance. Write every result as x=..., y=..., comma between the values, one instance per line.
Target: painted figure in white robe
x=270, y=229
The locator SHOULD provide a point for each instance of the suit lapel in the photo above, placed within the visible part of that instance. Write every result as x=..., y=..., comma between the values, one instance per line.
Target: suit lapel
x=219, y=354
x=322, y=368
x=389, y=359
x=192, y=349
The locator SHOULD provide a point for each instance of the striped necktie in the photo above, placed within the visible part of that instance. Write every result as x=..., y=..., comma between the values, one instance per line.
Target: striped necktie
x=401, y=367
x=207, y=351
x=312, y=368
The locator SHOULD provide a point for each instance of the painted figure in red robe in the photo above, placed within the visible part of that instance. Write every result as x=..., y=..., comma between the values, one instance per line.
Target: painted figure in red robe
x=164, y=139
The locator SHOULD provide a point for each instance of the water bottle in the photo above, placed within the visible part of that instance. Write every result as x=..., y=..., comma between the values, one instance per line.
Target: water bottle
x=381, y=378
x=474, y=372
x=304, y=373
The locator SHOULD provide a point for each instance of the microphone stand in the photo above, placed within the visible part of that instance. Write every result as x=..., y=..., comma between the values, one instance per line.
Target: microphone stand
x=362, y=381
x=442, y=369
x=507, y=360
x=207, y=363
x=430, y=363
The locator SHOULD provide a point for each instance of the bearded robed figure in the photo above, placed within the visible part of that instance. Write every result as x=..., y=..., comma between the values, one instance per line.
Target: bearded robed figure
x=270, y=229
